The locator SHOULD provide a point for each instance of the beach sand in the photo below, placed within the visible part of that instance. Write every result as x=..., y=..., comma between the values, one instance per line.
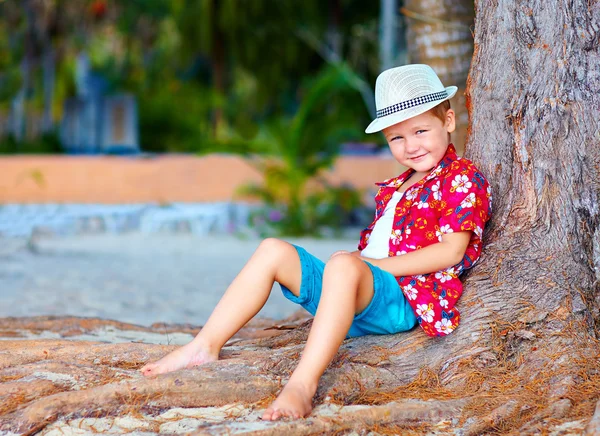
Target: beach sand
x=133, y=277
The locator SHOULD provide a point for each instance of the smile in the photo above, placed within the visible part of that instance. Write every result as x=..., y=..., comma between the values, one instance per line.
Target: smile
x=416, y=158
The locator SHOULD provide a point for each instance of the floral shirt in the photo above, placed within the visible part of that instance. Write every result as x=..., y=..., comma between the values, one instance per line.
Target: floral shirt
x=454, y=197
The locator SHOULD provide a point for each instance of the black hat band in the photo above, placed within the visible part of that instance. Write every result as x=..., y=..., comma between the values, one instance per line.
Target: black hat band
x=417, y=101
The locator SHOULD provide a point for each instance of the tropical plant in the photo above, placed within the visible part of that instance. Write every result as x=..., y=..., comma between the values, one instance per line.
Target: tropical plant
x=295, y=150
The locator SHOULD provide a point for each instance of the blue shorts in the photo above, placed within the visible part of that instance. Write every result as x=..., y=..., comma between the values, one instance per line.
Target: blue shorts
x=387, y=313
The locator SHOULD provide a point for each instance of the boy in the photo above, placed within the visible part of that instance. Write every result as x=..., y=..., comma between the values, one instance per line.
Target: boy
x=427, y=229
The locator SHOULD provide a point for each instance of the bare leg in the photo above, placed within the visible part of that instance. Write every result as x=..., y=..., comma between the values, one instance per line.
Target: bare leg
x=347, y=290
x=274, y=260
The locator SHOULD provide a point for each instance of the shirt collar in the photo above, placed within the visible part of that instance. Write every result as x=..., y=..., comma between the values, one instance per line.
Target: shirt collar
x=449, y=157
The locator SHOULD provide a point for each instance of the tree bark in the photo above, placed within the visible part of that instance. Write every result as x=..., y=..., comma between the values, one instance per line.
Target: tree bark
x=533, y=92
x=388, y=23
x=439, y=33
x=217, y=55
x=49, y=73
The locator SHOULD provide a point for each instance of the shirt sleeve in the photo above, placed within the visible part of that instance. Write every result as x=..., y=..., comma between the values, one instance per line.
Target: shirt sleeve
x=466, y=200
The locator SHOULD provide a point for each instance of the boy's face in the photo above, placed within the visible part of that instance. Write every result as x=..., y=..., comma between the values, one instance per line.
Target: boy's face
x=420, y=142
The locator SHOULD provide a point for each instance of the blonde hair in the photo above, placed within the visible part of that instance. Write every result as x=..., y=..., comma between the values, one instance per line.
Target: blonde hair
x=440, y=110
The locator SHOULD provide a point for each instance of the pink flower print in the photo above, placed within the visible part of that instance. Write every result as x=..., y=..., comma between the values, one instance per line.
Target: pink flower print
x=435, y=189
x=469, y=201
x=423, y=205
x=445, y=275
x=396, y=237
x=446, y=229
x=439, y=232
x=425, y=312
x=410, y=292
x=411, y=194
x=461, y=183
x=444, y=303
x=408, y=249
x=444, y=326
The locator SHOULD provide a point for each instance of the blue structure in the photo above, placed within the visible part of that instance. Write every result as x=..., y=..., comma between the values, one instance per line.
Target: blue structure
x=95, y=123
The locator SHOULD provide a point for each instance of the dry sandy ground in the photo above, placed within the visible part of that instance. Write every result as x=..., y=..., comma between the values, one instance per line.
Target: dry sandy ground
x=135, y=278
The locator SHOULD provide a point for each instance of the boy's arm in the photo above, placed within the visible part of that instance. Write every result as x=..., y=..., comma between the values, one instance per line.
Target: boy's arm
x=435, y=257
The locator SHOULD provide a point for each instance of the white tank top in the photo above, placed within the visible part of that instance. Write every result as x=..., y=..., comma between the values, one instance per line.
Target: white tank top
x=379, y=242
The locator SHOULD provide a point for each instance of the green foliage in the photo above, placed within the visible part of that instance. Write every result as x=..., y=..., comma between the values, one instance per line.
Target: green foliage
x=319, y=213
x=10, y=75
x=175, y=118
x=45, y=144
x=295, y=150
x=256, y=57
x=207, y=73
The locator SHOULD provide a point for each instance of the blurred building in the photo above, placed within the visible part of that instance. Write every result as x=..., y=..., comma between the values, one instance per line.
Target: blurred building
x=97, y=123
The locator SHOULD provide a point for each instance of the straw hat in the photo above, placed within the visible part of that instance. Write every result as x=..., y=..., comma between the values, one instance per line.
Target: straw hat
x=405, y=92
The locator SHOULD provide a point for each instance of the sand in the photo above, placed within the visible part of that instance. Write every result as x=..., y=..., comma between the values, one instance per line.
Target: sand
x=133, y=277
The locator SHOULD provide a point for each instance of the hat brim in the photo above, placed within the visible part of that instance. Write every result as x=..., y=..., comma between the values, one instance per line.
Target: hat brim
x=389, y=120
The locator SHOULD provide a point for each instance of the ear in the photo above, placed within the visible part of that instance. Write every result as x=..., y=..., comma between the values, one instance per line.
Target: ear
x=450, y=123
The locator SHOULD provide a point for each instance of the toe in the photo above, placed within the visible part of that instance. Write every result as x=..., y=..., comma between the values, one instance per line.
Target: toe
x=268, y=414
x=288, y=413
x=149, y=371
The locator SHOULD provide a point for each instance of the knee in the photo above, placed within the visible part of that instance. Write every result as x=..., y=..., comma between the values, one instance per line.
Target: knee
x=347, y=265
x=275, y=248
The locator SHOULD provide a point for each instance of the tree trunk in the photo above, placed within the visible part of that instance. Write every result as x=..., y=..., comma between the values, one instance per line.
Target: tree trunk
x=19, y=103
x=18, y=113
x=388, y=24
x=49, y=73
x=217, y=55
x=333, y=36
x=533, y=90
x=439, y=34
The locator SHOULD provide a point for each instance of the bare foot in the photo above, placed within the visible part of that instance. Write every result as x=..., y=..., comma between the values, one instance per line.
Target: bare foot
x=188, y=356
x=294, y=401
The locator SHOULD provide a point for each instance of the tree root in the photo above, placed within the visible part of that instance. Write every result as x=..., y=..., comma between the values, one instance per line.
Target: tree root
x=529, y=387
x=214, y=385
x=336, y=419
x=493, y=420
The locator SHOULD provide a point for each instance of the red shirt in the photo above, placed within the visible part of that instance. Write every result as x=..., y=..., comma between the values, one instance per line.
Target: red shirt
x=454, y=197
